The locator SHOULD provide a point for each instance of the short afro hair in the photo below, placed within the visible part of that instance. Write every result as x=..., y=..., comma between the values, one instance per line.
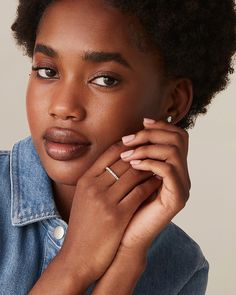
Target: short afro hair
x=195, y=38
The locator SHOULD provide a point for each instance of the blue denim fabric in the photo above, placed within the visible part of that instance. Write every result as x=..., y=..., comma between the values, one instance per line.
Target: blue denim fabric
x=28, y=217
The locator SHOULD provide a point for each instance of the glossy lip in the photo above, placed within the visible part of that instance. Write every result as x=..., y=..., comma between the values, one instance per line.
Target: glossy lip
x=64, y=144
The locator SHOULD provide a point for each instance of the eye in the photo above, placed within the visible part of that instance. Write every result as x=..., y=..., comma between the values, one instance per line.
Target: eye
x=45, y=73
x=105, y=81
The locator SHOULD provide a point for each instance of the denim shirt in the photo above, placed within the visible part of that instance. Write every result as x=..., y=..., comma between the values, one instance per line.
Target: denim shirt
x=32, y=232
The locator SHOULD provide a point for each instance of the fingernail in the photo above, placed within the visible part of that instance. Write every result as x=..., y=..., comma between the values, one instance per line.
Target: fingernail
x=127, y=154
x=128, y=138
x=135, y=162
x=148, y=121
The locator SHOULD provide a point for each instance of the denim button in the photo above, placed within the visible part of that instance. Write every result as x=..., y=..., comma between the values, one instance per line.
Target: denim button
x=58, y=232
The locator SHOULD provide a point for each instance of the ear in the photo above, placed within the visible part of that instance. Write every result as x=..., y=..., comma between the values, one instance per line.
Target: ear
x=179, y=99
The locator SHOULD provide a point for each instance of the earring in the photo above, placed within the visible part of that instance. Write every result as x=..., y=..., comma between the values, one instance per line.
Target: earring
x=169, y=119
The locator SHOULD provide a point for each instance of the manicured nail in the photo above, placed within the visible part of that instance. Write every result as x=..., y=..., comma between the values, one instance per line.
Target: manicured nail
x=127, y=154
x=128, y=138
x=148, y=121
x=135, y=162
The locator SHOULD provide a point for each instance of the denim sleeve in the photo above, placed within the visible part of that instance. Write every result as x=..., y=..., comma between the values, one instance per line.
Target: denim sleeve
x=197, y=284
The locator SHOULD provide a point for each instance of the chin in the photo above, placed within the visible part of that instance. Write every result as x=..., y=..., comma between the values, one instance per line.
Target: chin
x=63, y=172
x=64, y=178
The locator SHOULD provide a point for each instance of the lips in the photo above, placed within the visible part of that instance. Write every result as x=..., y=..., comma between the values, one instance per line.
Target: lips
x=64, y=144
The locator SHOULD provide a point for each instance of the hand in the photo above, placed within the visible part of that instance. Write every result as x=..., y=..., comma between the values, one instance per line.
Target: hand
x=166, y=156
x=101, y=209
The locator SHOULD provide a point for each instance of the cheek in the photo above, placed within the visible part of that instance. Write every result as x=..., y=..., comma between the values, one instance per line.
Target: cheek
x=35, y=98
x=36, y=108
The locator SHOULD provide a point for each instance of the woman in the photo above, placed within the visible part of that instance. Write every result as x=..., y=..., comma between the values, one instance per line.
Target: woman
x=91, y=213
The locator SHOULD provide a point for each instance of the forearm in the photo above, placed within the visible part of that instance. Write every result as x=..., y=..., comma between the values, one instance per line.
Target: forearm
x=58, y=279
x=122, y=276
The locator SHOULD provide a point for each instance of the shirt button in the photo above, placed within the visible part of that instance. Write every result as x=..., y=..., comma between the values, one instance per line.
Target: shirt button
x=58, y=232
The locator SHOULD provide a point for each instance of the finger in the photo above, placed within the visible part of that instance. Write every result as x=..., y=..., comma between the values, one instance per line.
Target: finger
x=127, y=182
x=139, y=195
x=168, y=126
x=169, y=154
x=156, y=136
x=119, y=168
x=110, y=156
x=167, y=172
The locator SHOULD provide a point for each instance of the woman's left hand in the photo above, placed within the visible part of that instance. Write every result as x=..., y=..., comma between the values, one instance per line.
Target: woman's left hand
x=162, y=149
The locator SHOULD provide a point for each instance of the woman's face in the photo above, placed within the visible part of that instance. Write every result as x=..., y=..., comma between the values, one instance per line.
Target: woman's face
x=91, y=78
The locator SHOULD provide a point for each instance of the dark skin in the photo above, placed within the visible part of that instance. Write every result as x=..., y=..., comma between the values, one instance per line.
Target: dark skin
x=70, y=91
x=139, y=95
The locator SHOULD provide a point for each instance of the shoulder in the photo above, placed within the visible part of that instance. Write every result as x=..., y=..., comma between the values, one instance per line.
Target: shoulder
x=177, y=246
x=174, y=259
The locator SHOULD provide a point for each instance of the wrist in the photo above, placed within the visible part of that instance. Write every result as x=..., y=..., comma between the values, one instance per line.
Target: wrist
x=138, y=252
x=58, y=279
x=74, y=274
x=134, y=258
x=122, y=275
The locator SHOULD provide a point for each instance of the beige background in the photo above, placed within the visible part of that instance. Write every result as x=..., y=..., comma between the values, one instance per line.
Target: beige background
x=209, y=216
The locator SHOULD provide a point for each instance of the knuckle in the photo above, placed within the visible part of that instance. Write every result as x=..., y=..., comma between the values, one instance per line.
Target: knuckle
x=177, y=138
x=110, y=217
x=181, y=205
x=174, y=150
x=189, y=184
x=105, y=207
x=145, y=133
x=185, y=133
x=92, y=191
x=169, y=168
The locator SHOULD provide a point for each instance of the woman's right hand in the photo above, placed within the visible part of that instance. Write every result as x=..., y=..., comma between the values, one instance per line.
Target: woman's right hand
x=101, y=210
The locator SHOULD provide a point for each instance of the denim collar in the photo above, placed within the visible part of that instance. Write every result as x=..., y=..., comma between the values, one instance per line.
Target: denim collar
x=31, y=189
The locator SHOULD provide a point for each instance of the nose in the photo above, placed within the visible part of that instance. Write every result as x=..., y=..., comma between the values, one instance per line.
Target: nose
x=66, y=104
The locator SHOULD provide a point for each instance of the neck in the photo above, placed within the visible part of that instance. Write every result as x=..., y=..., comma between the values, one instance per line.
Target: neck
x=63, y=196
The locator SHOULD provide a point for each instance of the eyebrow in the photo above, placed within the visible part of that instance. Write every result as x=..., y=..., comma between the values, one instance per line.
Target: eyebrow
x=92, y=56
x=101, y=56
x=46, y=50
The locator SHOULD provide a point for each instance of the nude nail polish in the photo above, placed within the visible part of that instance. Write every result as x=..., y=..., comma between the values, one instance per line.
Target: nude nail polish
x=128, y=138
x=149, y=121
x=127, y=154
x=135, y=162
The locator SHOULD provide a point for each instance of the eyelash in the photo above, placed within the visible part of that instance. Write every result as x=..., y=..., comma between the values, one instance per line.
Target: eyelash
x=100, y=75
x=37, y=69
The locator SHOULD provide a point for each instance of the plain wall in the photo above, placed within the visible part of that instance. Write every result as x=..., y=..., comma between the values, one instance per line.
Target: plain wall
x=209, y=216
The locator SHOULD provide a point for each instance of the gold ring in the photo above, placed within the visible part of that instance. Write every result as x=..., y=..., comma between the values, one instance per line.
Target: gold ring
x=112, y=173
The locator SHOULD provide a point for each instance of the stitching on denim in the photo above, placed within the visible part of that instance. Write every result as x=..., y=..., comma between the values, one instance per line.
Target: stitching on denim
x=58, y=247
x=33, y=218
x=2, y=153
x=12, y=188
x=44, y=253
